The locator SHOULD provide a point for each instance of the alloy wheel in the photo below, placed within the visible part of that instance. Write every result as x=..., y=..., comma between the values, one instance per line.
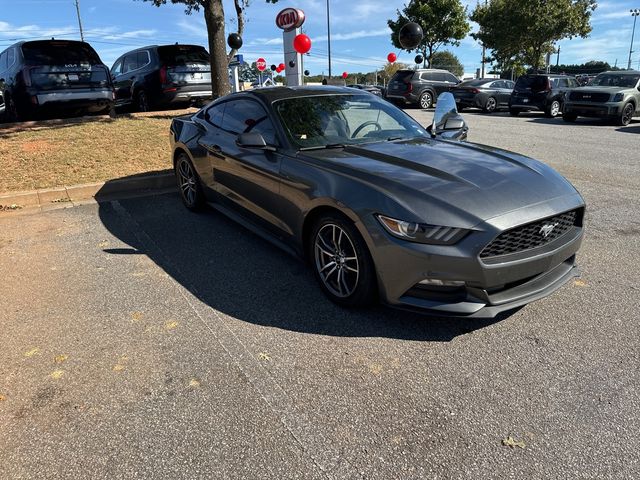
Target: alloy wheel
x=627, y=114
x=336, y=260
x=187, y=182
x=491, y=105
x=143, y=104
x=555, y=108
x=425, y=100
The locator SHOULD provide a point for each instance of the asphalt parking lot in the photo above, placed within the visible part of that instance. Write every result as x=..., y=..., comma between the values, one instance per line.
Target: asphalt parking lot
x=139, y=340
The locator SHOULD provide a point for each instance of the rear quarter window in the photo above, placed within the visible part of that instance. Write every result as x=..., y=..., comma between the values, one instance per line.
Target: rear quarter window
x=175, y=55
x=402, y=76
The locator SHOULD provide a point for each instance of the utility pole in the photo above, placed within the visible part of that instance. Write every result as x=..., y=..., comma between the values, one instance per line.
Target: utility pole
x=634, y=13
x=484, y=52
x=329, y=38
x=79, y=21
x=558, y=57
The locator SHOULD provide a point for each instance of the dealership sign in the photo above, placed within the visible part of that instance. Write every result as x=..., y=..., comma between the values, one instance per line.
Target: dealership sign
x=290, y=19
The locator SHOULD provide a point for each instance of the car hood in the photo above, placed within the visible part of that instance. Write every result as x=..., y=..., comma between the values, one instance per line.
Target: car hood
x=592, y=88
x=443, y=177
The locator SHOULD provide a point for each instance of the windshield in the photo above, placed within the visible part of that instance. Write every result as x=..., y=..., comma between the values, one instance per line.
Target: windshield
x=322, y=120
x=615, y=80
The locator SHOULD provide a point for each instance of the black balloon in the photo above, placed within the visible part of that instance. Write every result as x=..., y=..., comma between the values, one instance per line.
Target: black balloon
x=234, y=41
x=292, y=63
x=410, y=35
x=307, y=73
x=273, y=68
x=419, y=59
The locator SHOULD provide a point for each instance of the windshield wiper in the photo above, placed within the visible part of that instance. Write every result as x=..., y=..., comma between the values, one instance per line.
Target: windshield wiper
x=322, y=147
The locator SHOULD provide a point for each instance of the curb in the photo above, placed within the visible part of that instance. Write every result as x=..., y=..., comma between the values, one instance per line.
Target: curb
x=61, y=197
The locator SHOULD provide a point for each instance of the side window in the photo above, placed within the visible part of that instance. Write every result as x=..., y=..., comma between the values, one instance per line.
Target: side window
x=573, y=83
x=117, y=68
x=496, y=85
x=451, y=78
x=215, y=113
x=143, y=59
x=510, y=85
x=244, y=116
x=428, y=76
x=11, y=57
x=3, y=61
x=130, y=63
x=563, y=83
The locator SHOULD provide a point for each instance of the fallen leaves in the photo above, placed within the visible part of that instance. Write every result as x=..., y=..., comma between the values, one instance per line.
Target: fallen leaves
x=170, y=325
x=511, y=442
x=580, y=283
x=2, y=398
x=60, y=358
x=57, y=374
x=264, y=356
x=32, y=352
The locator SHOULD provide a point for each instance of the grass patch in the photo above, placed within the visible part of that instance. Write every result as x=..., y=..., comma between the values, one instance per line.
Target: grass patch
x=76, y=151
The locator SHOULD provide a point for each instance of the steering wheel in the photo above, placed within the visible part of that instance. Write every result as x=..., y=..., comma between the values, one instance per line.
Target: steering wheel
x=366, y=124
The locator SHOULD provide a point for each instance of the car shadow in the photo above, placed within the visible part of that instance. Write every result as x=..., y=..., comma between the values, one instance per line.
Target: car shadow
x=632, y=128
x=241, y=275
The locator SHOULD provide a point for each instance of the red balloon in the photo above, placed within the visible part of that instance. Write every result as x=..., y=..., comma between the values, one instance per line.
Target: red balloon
x=302, y=43
x=392, y=57
x=281, y=66
x=279, y=69
x=345, y=75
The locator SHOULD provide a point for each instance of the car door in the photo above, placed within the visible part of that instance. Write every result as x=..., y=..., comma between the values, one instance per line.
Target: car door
x=248, y=179
x=124, y=78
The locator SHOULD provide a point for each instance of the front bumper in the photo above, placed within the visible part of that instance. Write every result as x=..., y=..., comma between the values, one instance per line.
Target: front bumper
x=491, y=285
x=596, y=110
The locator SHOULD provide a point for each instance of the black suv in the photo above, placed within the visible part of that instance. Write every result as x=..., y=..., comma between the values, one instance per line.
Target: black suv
x=420, y=87
x=540, y=92
x=53, y=77
x=158, y=76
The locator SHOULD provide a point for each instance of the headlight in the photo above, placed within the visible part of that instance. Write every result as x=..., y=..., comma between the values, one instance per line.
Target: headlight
x=422, y=232
x=618, y=97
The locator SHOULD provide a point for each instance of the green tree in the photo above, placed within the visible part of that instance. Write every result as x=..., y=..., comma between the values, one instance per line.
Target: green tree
x=447, y=61
x=522, y=32
x=214, y=19
x=443, y=22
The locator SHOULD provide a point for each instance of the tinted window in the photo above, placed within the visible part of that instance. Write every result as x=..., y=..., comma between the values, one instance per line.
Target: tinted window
x=11, y=57
x=3, y=61
x=429, y=76
x=117, y=68
x=143, y=59
x=451, y=78
x=173, y=55
x=573, y=83
x=531, y=82
x=402, y=76
x=496, y=85
x=563, y=82
x=510, y=84
x=130, y=62
x=244, y=116
x=472, y=83
x=215, y=114
x=59, y=53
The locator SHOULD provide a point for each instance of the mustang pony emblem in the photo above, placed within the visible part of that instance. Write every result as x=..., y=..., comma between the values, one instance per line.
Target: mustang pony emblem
x=546, y=230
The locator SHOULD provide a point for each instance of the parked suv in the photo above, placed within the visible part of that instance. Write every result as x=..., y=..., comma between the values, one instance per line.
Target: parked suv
x=160, y=75
x=53, y=77
x=611, y=95
x=420, y=87
x=540, y=92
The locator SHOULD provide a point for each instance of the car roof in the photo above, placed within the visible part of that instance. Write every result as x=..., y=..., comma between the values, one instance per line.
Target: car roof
x=272, y=94
x=622, y=72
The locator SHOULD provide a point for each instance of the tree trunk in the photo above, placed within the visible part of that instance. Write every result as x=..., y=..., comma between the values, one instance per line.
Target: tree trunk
x=214, y=18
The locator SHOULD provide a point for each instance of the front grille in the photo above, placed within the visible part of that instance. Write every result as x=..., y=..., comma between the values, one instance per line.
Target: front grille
x=531, y=235
x=595, y=97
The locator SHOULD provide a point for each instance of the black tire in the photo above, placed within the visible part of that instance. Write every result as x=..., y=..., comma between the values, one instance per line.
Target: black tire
x=142, y=102
x=554, y=109
x=569, y=117
x=342, y=285
x=11, y=114
x=189, y=184
x=490, y=106
x=627, y=114
x=514, y=112
x=425, y=100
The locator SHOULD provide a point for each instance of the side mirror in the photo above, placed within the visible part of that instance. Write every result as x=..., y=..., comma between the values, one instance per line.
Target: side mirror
x=253, y=140
x=447, y=122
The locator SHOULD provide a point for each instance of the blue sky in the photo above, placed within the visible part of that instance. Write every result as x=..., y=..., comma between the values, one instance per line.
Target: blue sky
x=360, y=38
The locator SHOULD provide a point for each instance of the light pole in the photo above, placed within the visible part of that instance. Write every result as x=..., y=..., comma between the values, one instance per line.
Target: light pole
x=634, y=13
x=79, y=21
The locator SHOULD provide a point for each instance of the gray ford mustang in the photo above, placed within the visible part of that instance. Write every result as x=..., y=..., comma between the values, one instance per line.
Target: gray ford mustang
x=379, y=206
